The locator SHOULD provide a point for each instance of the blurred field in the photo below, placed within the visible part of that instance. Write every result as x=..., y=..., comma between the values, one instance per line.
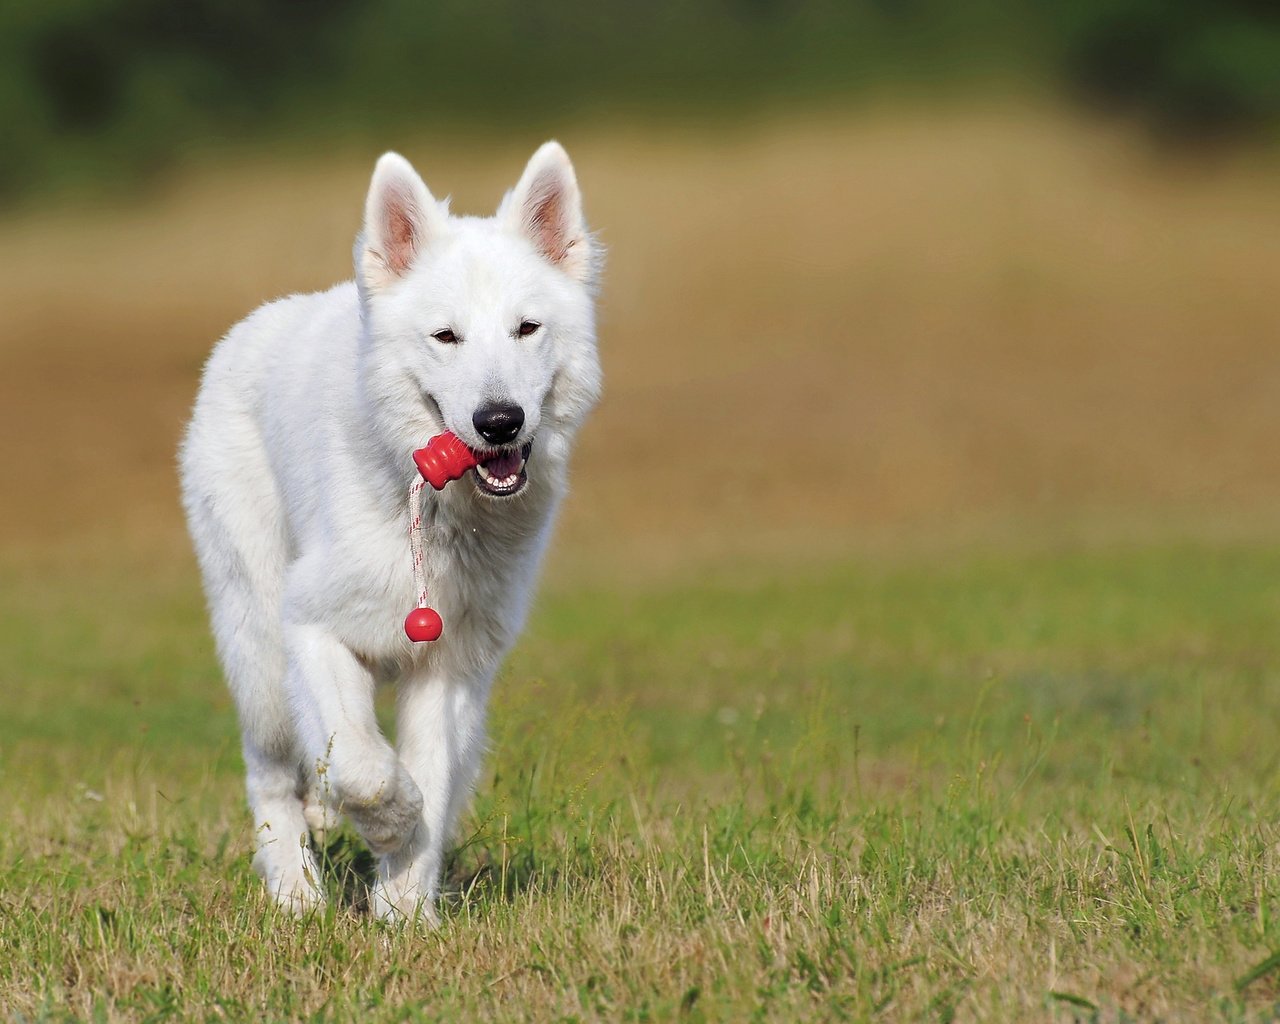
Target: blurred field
x=843, y=332
x=909, y=650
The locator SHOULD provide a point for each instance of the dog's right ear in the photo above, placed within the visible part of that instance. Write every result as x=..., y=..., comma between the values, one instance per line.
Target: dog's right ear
x=400, y=218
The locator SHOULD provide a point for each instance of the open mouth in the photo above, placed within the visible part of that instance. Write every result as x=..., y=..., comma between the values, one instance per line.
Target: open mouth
x=502, y=473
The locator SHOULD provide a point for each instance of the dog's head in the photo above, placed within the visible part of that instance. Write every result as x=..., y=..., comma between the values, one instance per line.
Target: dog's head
x=484, y=327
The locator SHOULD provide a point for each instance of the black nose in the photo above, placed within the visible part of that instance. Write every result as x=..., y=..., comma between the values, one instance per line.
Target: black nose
x=499, y=424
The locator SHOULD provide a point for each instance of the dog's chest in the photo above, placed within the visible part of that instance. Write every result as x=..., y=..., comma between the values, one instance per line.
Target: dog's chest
x=479, y=573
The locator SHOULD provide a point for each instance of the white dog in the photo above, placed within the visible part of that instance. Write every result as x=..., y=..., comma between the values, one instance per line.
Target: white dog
x=296, y=472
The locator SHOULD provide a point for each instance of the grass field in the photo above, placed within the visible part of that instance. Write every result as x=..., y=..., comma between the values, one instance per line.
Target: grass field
x=992, y=789
x=960, y=707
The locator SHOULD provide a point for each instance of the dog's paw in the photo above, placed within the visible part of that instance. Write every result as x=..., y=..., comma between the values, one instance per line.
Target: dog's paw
x=387, y=817
x=298, y=899
x=320, y=818
x=404, y=905
x=292, y=877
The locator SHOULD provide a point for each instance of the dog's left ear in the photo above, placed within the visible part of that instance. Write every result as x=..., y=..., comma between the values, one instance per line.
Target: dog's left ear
x=546, y=207
x=400, y=218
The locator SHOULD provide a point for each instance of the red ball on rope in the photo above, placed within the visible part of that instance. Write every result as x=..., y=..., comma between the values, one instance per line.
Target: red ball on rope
x=446, y=457
x=423, y=624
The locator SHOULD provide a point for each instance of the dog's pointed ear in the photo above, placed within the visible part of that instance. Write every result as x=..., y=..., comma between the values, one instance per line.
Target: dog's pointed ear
x=400, y=218
x=546, y=208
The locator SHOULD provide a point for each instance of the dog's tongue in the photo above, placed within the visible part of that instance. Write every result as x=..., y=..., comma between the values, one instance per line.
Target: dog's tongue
x=504, y=464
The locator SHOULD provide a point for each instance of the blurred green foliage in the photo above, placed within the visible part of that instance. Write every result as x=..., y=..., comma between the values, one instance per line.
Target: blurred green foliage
x=109, y=89
x=1191, y=67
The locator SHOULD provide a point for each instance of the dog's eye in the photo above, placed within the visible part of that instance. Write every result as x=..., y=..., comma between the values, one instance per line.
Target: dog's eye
x=527, y=327
x=446, y=336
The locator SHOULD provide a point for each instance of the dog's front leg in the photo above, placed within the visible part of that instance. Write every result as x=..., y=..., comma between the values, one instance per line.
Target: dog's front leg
x=441, y=735
x=357, y=772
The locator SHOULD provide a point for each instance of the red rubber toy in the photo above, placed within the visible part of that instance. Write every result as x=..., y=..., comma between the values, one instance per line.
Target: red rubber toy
x=423, y=624
x=444, y=458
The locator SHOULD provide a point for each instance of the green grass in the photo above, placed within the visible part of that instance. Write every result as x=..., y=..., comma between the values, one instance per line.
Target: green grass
x=1042, y=788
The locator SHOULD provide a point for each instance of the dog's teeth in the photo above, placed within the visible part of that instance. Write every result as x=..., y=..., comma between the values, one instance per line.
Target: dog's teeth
x=505, y=483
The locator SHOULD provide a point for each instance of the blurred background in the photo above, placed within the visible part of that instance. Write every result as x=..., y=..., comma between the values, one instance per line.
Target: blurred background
x=884, y=277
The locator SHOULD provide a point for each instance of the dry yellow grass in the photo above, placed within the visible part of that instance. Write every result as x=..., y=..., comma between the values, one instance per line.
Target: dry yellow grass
x=818, y=333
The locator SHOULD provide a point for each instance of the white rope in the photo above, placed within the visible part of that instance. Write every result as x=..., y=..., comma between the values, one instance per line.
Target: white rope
x=415, y=540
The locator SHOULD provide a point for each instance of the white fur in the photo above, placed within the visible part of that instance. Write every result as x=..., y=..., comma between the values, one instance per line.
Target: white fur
x=296, y=469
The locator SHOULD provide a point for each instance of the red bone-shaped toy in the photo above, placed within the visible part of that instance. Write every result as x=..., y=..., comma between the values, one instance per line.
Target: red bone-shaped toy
x=444, y=458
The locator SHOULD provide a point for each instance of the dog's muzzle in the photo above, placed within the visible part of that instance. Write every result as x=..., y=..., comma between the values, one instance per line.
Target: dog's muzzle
x=502, y=473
